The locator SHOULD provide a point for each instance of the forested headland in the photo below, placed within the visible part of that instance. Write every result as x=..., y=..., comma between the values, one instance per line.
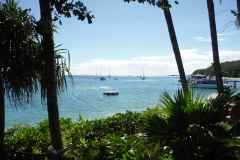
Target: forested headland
x=228, y=69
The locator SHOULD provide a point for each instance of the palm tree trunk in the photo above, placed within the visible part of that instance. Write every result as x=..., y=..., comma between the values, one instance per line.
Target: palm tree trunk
x=216, y=61
x=2, y=117
x=175, y=47
x=238, y=6
x=238, y=11
x=48, y=51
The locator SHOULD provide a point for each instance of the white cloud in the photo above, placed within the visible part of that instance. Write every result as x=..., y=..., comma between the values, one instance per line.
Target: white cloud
x=225, y=55
x=201, y=39
x=220, y=38
x=204, y=39
x=153, y=65
x=192, y=54
x=155, y=58
x=227, y=34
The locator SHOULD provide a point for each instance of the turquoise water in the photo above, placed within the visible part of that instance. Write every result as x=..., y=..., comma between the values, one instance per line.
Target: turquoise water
x=86, y=98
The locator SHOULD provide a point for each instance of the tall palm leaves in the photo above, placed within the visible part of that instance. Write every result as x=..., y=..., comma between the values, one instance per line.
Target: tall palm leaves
x=213, y=31
x=61, y=69
x=19, y=50
x=237, y=14
x=21, y=60
x=193, y=127
x=237, y=21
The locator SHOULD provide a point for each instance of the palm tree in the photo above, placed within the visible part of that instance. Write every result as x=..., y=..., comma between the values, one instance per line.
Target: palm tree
x=216, y=61
x=45, y=28
x=193, y=128
x=237, y=22
x=166, y=9
x=61, y=69
x=238, y=6
x=164, y=4
x=21, y=60
x=237, y=14
x=19, y=52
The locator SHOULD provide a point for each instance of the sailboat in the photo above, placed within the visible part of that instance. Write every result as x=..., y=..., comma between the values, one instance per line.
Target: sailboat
x=96, y=77
x=101, y=77
x=143, y=77
x=109, y=74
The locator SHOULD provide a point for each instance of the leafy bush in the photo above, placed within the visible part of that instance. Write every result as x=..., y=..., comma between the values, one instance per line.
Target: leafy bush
x=193, y=128
x=113, y=137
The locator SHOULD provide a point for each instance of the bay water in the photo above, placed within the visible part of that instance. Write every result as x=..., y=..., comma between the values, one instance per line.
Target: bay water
x=86, y=97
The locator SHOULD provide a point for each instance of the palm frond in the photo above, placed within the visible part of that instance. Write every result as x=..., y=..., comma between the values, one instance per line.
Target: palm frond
x=18, y=51
x=193, y=126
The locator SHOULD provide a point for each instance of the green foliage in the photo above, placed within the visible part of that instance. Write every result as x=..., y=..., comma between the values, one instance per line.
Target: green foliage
x=121, y=123
x=61, y=69
x=110, y=147
x=193, y=127
x=229, y=69
x=106, y=138
x=237, y=20
x=151, y=2
x=21, y=56
x=20, y=53
x=27, y=138
x=164, y=4
x=63, y=7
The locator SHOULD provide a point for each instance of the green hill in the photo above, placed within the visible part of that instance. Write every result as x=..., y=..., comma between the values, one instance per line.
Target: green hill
x=229, y=69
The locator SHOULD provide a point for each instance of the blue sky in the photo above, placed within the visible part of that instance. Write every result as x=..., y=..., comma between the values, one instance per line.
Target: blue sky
x=127, y=37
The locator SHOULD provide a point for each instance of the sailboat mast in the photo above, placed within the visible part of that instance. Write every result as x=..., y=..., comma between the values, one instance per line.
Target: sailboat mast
x=96, y=77
x=143, y=77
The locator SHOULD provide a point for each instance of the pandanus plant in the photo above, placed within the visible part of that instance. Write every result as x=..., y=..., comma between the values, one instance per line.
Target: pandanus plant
x=190, y=126
x=21, y=60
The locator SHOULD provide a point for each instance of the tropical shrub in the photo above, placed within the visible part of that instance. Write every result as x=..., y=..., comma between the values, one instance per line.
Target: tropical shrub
x=191, y=127
x=108, y=138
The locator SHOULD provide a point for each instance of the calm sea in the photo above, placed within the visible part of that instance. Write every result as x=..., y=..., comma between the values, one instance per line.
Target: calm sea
x=86, y=98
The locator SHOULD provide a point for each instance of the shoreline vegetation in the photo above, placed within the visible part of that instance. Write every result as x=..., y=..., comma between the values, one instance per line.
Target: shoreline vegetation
x=228, y=69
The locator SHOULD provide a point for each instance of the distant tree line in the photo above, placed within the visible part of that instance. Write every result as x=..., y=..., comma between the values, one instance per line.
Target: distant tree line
x=229, y=69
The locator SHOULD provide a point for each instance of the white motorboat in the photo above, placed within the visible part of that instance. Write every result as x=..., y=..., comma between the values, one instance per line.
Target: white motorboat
x=202, y=81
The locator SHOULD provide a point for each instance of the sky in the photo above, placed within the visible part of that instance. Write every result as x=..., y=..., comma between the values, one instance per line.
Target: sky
x=127, y=38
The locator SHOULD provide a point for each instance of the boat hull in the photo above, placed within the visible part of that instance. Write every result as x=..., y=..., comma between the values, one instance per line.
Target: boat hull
x=202, y=81
x=209, y=86
x=110, y=93
x=102, y=78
